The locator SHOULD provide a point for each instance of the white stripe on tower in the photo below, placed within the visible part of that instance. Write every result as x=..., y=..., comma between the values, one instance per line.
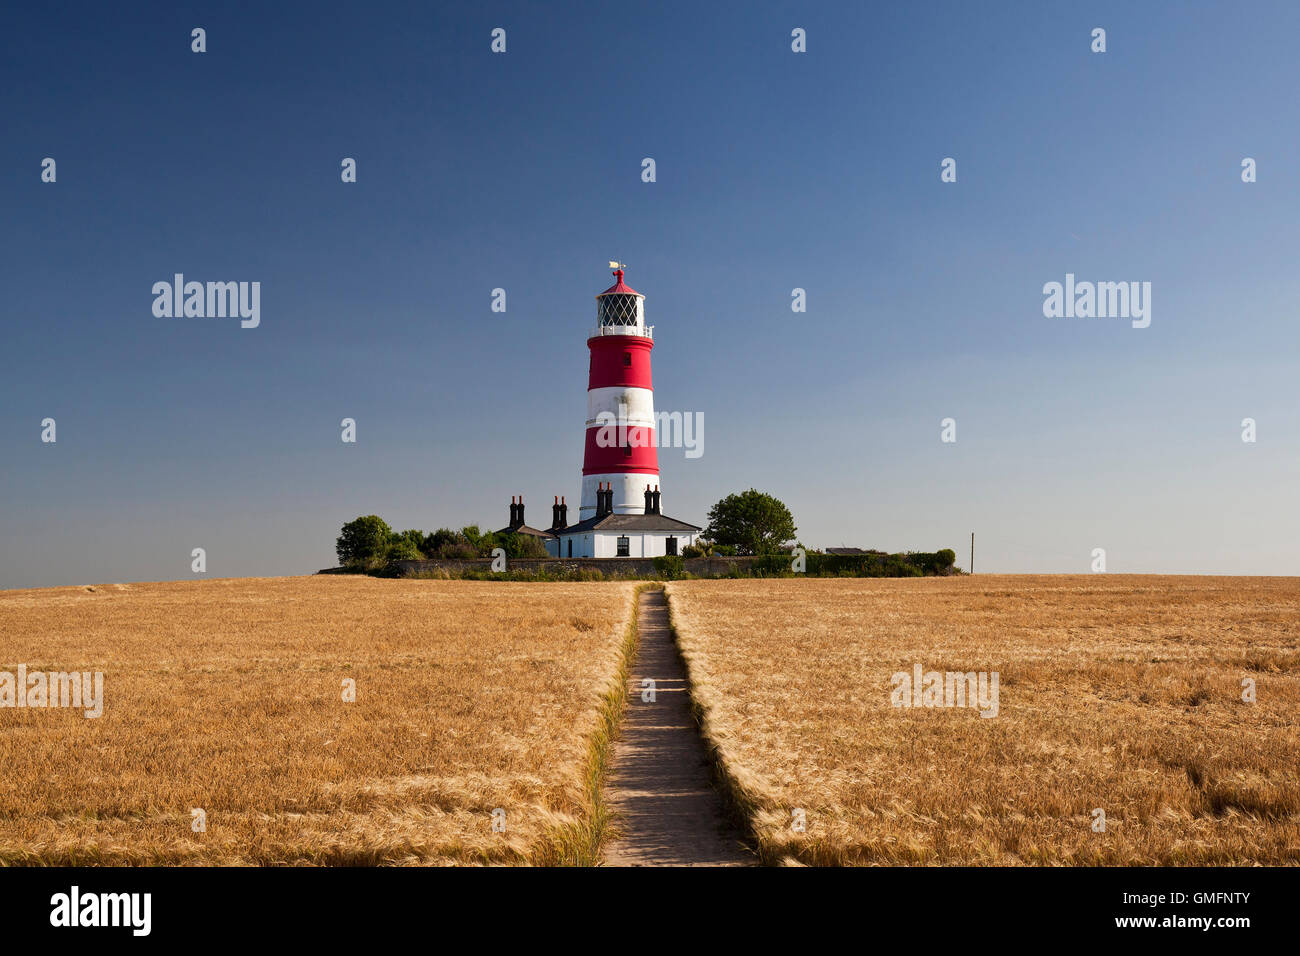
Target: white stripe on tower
x=636, y=406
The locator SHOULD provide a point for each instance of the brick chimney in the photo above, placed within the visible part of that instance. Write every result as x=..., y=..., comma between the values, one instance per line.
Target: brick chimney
x=654, y=502
x=559, y=514
x=649, y=501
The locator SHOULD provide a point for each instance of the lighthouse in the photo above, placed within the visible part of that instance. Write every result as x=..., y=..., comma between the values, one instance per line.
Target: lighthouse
x=619, y=513
x=621, y=458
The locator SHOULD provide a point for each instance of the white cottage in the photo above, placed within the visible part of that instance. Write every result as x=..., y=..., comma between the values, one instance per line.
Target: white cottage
x=607, y=534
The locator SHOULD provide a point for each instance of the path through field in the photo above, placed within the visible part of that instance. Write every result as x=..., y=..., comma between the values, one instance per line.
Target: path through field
x=666, y=810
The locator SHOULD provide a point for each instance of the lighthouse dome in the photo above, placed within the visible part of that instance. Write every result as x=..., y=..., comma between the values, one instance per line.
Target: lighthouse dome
x=620, y=310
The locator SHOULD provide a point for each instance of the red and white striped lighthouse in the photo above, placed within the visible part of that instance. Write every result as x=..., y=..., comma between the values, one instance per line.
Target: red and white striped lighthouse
x=620, y=388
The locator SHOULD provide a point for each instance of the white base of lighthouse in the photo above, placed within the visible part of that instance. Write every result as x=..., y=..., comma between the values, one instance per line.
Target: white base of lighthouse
x=629, y=492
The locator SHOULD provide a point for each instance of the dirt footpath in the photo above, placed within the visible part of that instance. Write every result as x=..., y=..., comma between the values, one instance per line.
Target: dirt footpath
x=666, y=810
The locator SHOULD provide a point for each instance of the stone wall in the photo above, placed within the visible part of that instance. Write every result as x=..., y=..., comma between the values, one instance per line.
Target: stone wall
x=640, y=567
x=872, y=565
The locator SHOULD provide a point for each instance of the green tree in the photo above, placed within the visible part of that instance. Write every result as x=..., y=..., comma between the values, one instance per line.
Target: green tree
x=751, y=522
x=363, y=539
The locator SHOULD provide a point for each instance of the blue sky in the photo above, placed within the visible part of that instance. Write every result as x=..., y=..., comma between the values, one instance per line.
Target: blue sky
x=775, y=170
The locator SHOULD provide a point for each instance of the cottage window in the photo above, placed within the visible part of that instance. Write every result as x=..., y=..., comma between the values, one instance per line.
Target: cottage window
x=624, y=546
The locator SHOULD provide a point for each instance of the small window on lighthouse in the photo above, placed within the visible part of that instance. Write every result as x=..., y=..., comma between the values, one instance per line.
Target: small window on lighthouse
x=627, y=451
x=627, y=359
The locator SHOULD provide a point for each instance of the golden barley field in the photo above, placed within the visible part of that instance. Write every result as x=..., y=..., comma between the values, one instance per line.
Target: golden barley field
x=227, y=696
x=1119, y=693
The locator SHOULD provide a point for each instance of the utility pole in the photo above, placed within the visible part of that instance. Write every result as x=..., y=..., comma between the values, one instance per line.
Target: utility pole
x=972, y=552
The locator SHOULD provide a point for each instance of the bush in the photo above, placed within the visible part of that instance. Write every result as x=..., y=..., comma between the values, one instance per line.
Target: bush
x=460, y=551
x=670, y=566
x=445, y=543
x=521, y=546
x=403, y=549
x=772, y=565
x=416, y=538
x=436, y=541
x=482, y=543
x=938, y=562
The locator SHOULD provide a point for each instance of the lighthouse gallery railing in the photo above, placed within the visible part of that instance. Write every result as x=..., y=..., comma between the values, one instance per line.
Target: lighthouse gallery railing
x=647, y=332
